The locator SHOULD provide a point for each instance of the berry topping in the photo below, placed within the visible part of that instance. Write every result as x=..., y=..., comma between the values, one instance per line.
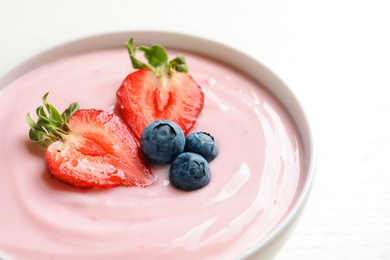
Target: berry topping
x=159, y=90
x=89, y=148
x=203, y=144
x=189, y=171
x=161, y=141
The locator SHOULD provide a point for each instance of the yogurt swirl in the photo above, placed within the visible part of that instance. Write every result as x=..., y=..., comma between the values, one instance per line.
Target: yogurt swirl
x=255, y=178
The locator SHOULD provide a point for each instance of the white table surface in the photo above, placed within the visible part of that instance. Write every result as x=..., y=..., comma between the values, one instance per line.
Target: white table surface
x=335, y=55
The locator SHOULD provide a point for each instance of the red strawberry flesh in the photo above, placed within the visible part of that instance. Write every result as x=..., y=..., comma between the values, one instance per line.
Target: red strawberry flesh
x=99, y=151
x=145, y=97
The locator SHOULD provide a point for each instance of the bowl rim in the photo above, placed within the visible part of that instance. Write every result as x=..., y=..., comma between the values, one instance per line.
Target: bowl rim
x=198, y=45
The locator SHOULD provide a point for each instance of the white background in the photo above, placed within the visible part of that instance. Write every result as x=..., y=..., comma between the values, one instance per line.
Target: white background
x=335, y=55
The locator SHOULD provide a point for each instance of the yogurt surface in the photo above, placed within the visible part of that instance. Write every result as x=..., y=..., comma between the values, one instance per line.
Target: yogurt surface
x=256, y=177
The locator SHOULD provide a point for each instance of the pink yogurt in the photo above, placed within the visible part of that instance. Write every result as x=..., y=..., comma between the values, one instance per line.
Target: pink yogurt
x=255, y=179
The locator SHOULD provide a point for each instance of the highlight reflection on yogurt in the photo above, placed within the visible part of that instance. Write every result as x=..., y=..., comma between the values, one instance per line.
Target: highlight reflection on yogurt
x=254, y=178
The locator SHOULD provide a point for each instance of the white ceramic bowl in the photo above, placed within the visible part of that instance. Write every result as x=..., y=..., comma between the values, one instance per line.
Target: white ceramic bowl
x=268, y=247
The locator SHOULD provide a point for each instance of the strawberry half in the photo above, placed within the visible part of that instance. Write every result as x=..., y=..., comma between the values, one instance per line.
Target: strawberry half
x=89, y=148
x=160, y=90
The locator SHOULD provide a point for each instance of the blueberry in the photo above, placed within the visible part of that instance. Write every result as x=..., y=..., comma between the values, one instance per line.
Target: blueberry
x=202, y=143
x=189, y=171
x=162, y=141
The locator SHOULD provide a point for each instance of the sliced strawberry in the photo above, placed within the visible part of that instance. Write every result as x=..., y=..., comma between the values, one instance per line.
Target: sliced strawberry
x=159, y=90
x=89, y=148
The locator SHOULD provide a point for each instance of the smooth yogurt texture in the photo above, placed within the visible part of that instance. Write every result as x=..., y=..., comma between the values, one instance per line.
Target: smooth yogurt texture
x=256, y=177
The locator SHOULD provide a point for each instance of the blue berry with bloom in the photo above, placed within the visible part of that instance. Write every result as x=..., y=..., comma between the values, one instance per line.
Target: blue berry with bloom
x=162, y=141
x=189, y=171
x=203, y=144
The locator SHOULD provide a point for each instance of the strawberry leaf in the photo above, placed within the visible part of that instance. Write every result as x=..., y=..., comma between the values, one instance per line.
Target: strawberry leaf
x=132, y=50
x=178, y=64
x=32, y=123
x=157, y=58
x=51, y=125
x=53, y=112
x=70, y=111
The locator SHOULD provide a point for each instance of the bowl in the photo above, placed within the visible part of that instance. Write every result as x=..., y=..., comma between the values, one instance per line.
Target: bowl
x=235, y=60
